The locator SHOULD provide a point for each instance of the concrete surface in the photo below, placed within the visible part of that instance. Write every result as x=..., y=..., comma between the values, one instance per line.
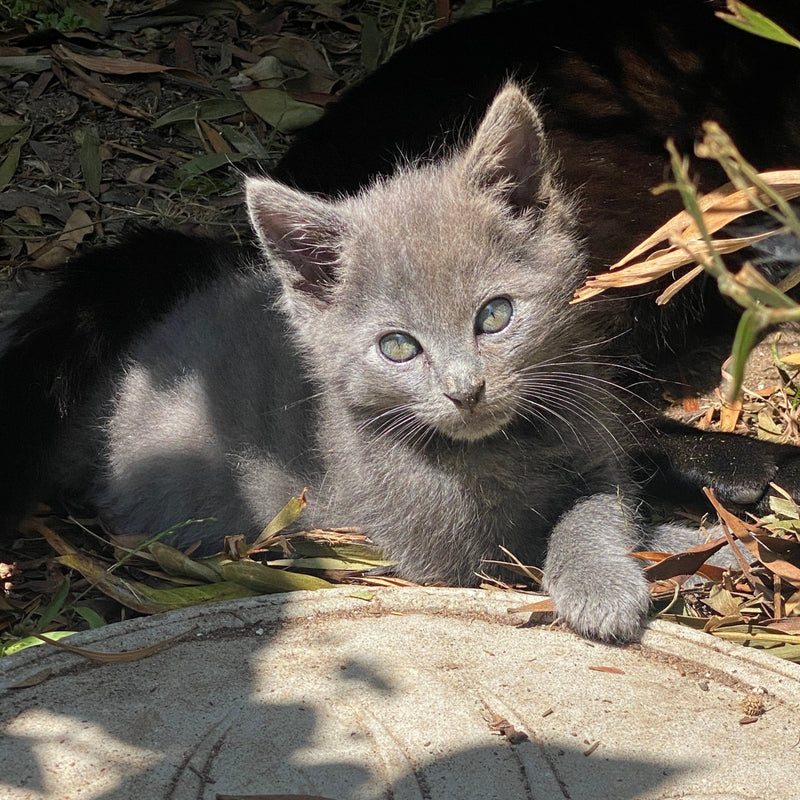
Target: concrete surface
x=328, y=694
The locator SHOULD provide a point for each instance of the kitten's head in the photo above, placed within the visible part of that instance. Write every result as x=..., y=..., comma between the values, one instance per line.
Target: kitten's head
x=425, y=303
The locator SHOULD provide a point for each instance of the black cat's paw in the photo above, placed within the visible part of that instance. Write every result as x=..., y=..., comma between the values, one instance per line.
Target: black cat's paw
x=742, y=474
x=677, y=462
x=742, y=482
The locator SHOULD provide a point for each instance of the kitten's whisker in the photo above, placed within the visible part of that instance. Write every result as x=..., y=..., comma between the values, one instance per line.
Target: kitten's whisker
x=532, y=414
x=308, y=399
x=551, y=412
x=593, y=383
x=586, y=386
x=592, y=419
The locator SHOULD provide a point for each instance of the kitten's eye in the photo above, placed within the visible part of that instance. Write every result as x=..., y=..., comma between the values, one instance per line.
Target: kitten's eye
x=494, y=316
x=399, y=347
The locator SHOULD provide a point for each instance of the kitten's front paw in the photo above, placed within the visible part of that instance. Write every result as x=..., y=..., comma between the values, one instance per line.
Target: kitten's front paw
x=610, y=608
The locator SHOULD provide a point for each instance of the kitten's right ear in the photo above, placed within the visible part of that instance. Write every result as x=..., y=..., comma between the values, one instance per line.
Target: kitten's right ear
x=508, y=153
x=299, y=233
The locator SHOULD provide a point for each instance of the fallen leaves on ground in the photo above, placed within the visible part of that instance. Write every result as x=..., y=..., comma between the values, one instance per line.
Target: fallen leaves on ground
x=756, y=605
x=123, y=112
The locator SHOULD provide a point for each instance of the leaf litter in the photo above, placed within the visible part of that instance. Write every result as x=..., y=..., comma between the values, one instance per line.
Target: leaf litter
x=139, y=115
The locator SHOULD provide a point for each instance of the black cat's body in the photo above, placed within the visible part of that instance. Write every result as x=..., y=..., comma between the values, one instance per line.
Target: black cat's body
x=145, y=384
x=74, y=338
x=614, y=81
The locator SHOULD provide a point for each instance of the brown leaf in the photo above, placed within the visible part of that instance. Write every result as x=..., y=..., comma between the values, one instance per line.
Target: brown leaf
x=786, y=625
x=141, y=174
x=215, y=140
x=546, y=606
x=111, y=658
x=687, y=563
x=719, y=207
x=769, y=551
x=303, y=53
x=729, y=414
x=33, y=680
x=77, y=228
x=184, y=52
x=29, y=215
x=108, y=66
x=610, y=670
x=51, y=255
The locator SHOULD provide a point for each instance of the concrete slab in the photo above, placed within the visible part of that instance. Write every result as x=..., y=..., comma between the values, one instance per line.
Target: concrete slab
x=328, y=694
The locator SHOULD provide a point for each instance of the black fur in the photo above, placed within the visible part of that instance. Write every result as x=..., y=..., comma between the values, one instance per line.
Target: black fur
x=69, y=342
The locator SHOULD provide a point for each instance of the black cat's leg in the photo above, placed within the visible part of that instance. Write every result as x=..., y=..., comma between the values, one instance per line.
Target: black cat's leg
x=674, y=462
x=597, y=588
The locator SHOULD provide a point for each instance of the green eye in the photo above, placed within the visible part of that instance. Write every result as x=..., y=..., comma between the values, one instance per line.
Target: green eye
x=399, y=347
x=494, y=316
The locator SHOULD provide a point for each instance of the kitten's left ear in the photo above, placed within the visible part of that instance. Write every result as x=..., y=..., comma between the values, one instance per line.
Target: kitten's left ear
x=508, y=152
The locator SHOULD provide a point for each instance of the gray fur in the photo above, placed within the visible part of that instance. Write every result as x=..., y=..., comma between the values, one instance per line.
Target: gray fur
x=251, y=390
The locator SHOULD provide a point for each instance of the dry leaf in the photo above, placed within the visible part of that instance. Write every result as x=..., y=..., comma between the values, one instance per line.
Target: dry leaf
x=109, y=66
x=33, y=680
x=687, y=563
x=545, y=606
x=720, y=208
x=141, y=174
x=609, y=670
x=111, y=658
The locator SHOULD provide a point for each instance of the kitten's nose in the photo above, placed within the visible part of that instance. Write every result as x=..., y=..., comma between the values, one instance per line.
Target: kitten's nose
x=468, y=397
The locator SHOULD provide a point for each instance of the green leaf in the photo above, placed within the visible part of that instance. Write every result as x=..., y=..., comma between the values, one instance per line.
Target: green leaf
x=747, y=19
x=9, y=131
x=24, y=64
x=698, y=623
x=207, y=163
x=768, y=429
x=264, y=580
x=90, y=616
x=750, y=326
x=340, y=556
x=205, y=109
x=280, y=110
x=243, y=142
x=174, y=562
x=9, y=166
x=143, y=598
x=287, y=516
x=31, y=641
x=89, y=158
x=363, y=594
x=55, y=606
x=371, y=42
x=784, y=507
x=760, y=290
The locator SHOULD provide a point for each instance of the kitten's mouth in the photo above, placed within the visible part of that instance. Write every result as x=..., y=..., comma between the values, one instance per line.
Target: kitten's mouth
x=474, y=426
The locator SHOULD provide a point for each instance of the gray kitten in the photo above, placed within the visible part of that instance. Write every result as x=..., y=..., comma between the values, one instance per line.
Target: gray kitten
x=409, y=354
